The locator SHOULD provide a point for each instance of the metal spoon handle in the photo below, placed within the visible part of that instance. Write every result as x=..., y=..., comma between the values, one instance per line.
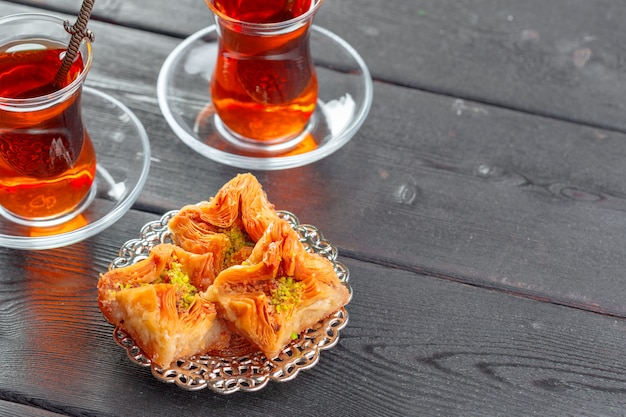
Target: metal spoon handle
x=79, y=32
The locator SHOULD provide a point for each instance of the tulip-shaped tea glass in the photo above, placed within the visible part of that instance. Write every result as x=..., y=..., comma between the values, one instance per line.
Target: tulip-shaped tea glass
x=47, y=160
x=264, y=86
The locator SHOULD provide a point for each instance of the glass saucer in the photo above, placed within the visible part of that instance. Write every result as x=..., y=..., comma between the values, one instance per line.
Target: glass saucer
x=345, y=97
x=123, y=151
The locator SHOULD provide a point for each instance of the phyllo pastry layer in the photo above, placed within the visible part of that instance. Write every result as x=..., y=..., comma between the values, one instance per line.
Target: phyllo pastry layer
x=158, y=302
x=228, y=224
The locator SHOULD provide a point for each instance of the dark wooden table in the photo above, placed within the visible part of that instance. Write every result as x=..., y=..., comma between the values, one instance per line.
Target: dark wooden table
x=481, y=210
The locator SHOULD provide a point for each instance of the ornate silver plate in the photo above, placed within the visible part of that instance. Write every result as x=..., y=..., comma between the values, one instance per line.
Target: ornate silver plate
x=248, y=372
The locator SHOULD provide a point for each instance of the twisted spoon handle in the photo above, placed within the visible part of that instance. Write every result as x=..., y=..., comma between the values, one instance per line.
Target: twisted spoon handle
x=79, y=32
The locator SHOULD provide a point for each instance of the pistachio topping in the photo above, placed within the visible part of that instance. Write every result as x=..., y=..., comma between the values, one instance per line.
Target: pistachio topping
x=174, y=274
x=287, y=294
x=238, y=239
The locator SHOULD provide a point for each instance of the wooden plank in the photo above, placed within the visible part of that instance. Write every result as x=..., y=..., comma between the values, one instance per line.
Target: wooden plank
x=413, y=346
x=564, y=59
x=461, y=191
x=11, y=409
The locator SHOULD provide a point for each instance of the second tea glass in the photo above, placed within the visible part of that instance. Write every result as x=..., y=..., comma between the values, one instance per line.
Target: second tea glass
x=264, y=86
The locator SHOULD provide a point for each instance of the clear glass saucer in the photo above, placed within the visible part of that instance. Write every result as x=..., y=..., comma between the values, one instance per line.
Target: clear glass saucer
x=123, y=151
x=345, y=97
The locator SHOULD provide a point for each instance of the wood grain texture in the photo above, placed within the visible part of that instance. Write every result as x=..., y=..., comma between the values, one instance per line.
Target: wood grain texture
x=414, y=346
x=10, y=409
x=435, y=192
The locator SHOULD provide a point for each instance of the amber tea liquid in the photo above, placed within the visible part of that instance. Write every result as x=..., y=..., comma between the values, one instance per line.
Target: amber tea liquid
x=47, y=160
x=264, y=87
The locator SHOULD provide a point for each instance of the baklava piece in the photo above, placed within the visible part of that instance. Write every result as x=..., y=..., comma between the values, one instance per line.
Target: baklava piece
x=280, y=291
x=158, y=302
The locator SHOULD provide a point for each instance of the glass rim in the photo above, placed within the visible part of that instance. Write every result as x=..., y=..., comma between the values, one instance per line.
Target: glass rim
x=315, y=4
x=68, y=90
